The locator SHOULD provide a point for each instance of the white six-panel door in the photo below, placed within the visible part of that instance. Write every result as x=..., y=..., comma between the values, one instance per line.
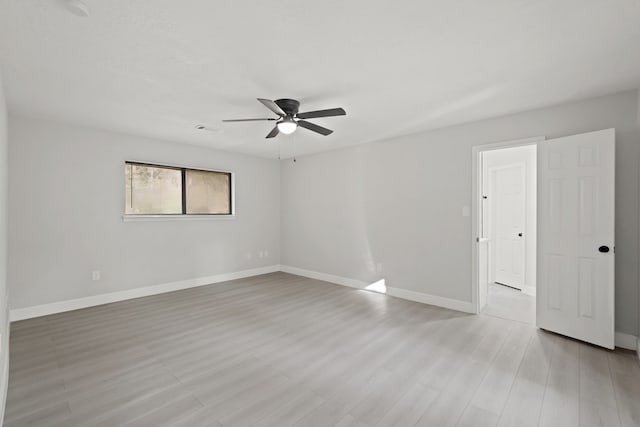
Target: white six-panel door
x=576, y=188
x=508, y=222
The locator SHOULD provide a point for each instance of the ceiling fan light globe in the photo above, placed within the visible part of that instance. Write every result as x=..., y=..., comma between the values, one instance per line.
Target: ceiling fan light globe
x=287, y=127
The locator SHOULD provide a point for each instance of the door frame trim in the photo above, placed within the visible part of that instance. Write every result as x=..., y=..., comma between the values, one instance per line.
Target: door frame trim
x=476, y=182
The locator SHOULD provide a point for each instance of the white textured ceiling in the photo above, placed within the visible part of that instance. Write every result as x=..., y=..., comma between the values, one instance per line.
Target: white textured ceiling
x=158, y=67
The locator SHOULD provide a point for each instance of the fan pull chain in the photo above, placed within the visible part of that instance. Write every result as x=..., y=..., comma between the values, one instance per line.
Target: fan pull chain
x=280, y=149
x=295, y=146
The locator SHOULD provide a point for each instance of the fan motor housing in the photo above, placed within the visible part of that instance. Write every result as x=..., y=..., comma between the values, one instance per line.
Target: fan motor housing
x=289, y=106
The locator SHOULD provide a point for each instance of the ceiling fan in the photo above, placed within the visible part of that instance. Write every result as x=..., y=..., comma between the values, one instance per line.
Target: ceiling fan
x=289, y=119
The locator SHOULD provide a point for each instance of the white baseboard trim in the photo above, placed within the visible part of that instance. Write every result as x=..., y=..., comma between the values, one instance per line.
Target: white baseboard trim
x=75, y=304
x=352, y=283
x=453, y=304
x=626, y=341
x=529, y=290
x=622, y=340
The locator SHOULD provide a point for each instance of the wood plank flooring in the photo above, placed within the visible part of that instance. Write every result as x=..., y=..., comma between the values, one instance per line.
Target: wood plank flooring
x=282, y=350
x=510, y=304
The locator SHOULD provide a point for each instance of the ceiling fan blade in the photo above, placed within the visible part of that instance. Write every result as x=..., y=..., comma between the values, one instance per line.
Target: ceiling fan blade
x=249, y=120
x=322, y=113
x=274, y=132
x=272, y=106
x=314, y=127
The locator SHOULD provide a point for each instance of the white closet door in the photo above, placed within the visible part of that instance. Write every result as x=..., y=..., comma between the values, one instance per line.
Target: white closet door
x=508, y=223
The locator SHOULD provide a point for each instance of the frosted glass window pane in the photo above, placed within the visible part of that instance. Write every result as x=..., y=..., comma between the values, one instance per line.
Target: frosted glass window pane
x=152, y=190
x=208, y=192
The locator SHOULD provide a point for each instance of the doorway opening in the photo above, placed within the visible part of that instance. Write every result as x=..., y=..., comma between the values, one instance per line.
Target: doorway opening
x=506, y=218
x=575, y=235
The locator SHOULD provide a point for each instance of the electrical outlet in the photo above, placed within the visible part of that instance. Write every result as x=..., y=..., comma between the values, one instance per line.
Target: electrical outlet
x=379, y=267
x=261, y=254
x=266, y=253
x=95, y=275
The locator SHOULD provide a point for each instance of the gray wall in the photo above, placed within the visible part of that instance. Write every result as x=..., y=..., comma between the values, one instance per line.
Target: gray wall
x=4, y=323
x=396, y=202
x=66, y=200
x=399, y=202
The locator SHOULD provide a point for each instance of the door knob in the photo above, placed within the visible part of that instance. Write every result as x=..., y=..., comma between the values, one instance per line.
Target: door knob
x=603, y=249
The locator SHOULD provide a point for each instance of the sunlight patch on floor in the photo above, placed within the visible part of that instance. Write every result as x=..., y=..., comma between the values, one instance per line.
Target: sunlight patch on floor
x=378, y=286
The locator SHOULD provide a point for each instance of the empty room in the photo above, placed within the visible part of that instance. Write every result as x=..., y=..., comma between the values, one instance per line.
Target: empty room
x=358, y=213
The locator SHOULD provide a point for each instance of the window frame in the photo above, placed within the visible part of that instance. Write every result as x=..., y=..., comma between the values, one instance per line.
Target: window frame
x=184, y=215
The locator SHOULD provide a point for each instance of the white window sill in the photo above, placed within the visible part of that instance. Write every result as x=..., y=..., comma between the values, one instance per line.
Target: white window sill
x=138, y=218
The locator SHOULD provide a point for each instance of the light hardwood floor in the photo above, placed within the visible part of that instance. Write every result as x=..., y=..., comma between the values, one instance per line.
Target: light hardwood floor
x=510, y=304
x=281, y=350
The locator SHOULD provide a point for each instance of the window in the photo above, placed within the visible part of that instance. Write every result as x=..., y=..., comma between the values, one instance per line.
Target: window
x=169, y=190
